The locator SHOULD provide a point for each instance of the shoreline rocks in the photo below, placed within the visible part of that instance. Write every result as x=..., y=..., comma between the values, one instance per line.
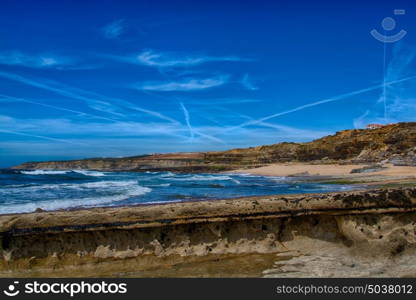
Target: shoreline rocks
x=378, y=224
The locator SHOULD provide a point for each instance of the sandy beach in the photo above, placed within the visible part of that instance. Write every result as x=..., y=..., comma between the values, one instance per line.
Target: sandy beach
x=388, y=171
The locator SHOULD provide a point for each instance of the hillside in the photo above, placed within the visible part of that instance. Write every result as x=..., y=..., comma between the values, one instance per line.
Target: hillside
x=395, y=143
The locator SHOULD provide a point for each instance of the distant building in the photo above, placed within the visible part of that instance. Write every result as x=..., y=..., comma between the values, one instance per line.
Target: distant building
x=375, y=126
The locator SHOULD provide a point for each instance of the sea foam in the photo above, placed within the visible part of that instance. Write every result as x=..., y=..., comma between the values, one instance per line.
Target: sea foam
x=43, y=172
x=90, y=173
x=122, y=190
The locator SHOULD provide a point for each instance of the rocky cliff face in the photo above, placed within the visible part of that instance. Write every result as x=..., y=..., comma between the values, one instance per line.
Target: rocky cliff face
x=394, y=143
x=178, y=162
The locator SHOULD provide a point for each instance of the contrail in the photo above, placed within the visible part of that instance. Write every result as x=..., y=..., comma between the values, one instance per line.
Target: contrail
x=57, y=108
x=70, y=92
x=96, y=104
x=194, y=131
x=287, y=129
x=62, y=92
x=75, y=112
x=333, y=99
x=40, y=137
x=187, y=120
x=49, y=138
x=208, y=137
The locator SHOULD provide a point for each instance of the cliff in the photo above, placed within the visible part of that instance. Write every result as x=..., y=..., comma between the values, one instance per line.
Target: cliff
x=395, y=143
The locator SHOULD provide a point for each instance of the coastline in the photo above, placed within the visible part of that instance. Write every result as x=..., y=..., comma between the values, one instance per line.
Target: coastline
x=386, y=175
x=367, y=231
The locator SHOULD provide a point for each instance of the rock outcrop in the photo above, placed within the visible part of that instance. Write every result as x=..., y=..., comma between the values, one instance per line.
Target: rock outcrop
x=378, y=225
x=394, y=143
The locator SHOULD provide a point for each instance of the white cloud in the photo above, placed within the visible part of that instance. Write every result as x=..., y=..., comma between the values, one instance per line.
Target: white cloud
x=248, y=84
x=18, y=58
x=184, y=85
x=168, y=60
x=114, y=29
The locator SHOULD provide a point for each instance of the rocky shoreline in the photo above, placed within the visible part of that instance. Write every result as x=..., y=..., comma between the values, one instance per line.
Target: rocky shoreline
x=363, y=233
x=375, y=224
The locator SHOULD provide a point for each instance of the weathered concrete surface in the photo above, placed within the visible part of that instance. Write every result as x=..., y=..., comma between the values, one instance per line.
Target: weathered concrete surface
x=362, y=226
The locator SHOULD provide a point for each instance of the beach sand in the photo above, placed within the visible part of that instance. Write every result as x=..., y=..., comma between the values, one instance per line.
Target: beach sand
x=388, y=171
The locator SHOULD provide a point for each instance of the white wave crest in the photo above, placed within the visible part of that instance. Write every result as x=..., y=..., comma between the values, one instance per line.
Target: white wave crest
x=43, y=172
x=160, y=185
x=89, y=173
x=167, y=175
x=82, y=186
x=200, y=178
x=121, y=190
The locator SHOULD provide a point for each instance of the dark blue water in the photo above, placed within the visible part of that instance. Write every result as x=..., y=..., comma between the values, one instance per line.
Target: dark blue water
x=24, y=191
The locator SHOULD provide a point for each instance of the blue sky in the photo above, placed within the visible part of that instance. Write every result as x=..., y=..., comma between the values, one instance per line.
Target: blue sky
x=112, y=78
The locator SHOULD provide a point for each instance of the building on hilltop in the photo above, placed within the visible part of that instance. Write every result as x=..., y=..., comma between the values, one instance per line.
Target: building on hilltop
x=374, y=126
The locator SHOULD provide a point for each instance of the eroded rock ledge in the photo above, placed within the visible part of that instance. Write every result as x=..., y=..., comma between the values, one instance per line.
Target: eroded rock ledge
x=369, y=223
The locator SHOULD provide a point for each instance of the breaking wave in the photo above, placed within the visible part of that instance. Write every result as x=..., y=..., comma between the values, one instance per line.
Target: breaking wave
x=62, y=172
x=90, y=173
x=26, y=190
x=43, y=172
x=200, y=178
x=36, y=196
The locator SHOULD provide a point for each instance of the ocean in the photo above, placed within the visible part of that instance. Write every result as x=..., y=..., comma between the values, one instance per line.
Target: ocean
x=25, y=191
